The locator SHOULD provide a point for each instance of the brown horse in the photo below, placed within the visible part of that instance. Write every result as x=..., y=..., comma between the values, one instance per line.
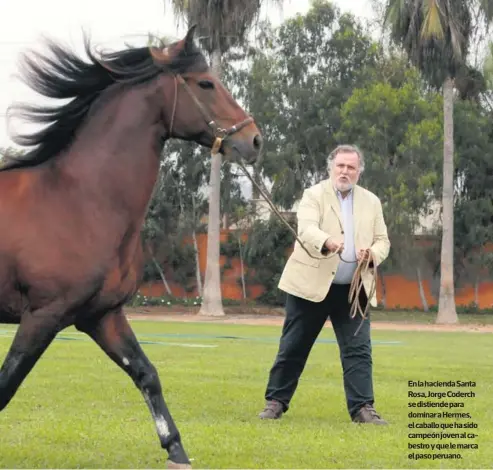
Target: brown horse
x=72, y=208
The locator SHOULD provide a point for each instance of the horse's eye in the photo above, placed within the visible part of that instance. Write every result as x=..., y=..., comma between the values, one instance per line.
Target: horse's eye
x=206, y=84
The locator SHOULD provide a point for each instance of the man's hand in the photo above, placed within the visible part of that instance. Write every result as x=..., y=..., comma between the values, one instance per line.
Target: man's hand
x=363, y=255
x=334, y=247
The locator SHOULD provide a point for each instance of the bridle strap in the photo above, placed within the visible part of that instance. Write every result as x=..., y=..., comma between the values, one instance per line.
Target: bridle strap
x=174, y=108
x=220, y=134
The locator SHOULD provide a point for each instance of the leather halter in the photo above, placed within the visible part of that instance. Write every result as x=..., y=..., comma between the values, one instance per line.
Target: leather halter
x=220, y=134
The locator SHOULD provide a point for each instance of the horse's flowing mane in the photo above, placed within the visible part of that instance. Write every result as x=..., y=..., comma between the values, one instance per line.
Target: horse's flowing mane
x=66, y=76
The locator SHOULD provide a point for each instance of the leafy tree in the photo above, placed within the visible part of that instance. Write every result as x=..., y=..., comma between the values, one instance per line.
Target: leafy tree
x=474, y=193
x=298, y=78
x=222, y=25
x=265, y=253
x=397, y=124
x=488, y=75
x=174, y=213
x=436, y=35
x=8, y=152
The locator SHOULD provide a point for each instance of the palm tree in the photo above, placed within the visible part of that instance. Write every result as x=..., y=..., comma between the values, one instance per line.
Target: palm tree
x=488, y=66
x=436, y=35
x=221, y=25
x=488, y=75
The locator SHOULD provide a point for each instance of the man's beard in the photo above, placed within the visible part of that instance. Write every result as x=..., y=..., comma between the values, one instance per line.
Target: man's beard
x=344, y=185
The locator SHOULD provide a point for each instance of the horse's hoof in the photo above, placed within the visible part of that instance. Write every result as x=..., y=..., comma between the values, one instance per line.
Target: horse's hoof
x=171, y=464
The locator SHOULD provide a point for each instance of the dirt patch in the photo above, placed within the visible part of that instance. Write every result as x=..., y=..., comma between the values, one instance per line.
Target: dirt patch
x=241, y=310
x=272, y=316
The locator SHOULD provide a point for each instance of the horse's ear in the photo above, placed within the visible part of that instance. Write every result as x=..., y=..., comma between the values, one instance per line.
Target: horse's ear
x=189, y=38
x=161, y=55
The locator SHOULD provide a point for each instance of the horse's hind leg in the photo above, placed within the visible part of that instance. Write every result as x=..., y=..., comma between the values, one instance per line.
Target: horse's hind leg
x=35, y=333
x=115, y=336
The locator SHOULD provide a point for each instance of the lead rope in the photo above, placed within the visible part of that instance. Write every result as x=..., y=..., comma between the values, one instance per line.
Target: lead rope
x=274, y=209
x=363, y=265
x=357, y=286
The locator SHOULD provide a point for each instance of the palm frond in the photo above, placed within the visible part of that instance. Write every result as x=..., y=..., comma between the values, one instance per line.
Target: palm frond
x=415, y=19
x=434, y=33
x=432, y=20
x=222, y=24
x=394, y=12
x=487, y=9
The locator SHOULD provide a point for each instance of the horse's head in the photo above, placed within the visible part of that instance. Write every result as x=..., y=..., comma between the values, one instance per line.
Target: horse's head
x=202, y=109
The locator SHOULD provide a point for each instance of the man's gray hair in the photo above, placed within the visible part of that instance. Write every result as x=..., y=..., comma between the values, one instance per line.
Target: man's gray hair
x=345, y=148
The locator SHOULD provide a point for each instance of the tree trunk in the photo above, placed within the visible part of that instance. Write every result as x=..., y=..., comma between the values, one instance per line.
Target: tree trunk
x=197, y=264
x=256, y=178
x=159, y=270
x=212, y=299
x=162, y=276
x=446, y=303
x=196, y=249
x=242, y=267
x=422, y=290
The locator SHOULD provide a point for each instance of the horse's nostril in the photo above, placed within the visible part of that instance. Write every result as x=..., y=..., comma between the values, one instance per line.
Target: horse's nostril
x=257, y=142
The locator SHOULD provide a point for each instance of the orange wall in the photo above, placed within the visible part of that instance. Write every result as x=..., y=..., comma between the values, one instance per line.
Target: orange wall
x=401, y=291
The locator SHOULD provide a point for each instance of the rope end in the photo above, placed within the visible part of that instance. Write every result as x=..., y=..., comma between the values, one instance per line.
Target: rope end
x=216, y=146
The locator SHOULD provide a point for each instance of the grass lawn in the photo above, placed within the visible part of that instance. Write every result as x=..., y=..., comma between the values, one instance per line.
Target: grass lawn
x=429, y=318
x=78, y=410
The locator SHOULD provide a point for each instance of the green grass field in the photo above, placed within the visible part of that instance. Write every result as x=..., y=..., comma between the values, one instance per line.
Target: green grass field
x=78, y=410
x=428, y=318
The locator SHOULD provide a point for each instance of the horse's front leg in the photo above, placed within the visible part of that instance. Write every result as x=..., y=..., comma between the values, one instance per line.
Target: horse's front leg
x=34, y=334
x=114, y=335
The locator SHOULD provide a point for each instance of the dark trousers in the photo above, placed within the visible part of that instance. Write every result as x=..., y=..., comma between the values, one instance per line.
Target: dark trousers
x=303, y=322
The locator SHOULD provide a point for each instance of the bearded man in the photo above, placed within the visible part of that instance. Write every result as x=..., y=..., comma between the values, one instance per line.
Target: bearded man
x=340, y=223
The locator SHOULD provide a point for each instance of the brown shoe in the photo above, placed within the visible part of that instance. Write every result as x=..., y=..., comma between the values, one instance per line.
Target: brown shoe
x=367, y=414
x=273, y=410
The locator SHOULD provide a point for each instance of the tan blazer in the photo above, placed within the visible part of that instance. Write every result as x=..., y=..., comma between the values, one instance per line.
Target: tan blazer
x=319, y=218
